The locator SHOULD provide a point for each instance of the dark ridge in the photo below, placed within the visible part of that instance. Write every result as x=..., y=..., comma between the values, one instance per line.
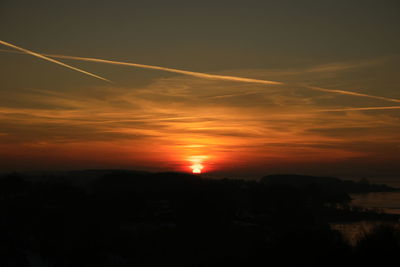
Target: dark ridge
x=135, y=218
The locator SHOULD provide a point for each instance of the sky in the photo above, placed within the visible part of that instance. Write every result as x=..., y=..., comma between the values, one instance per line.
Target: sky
x=262, y=87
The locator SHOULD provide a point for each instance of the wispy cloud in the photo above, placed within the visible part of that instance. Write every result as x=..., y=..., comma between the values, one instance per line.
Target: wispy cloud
x=171, y=120
x=181, y=121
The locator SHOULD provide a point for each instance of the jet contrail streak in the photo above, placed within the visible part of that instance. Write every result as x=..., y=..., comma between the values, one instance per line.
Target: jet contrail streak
x=219, y=77
x=184, y=72
x=343, y=92
x=356, y=109
x=26, y=51
x=222, y=77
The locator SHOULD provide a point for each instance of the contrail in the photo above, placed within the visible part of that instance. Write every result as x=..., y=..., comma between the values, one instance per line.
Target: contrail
x=143, y=66
x=184, y=72
x=343, y=92
x=221, y=77
x=218, y=77
x=26, y=51
x=356, y=109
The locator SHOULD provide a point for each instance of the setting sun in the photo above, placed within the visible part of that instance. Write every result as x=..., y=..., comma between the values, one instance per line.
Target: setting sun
x=197, y=165
x=196, y=168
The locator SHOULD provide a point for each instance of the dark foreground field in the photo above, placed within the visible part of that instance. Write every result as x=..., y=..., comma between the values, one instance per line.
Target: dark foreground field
x=127, y=218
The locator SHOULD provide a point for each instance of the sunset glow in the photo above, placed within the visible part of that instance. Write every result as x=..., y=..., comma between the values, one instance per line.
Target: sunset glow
x=209, y=133
x=189, y=95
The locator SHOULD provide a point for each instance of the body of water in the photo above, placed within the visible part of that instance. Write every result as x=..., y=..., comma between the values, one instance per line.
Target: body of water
x=389, y=202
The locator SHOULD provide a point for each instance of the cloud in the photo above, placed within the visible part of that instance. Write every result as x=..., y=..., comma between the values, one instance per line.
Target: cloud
x=172, y=119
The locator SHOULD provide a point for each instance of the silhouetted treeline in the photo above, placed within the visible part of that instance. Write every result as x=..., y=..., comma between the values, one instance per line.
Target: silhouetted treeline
x=127, y=218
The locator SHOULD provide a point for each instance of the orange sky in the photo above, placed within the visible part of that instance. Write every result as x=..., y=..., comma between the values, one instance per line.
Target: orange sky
x=163, y=125
x=52, y=117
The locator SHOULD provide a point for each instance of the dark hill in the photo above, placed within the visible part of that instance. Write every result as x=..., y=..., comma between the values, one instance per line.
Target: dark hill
x=132, y=218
